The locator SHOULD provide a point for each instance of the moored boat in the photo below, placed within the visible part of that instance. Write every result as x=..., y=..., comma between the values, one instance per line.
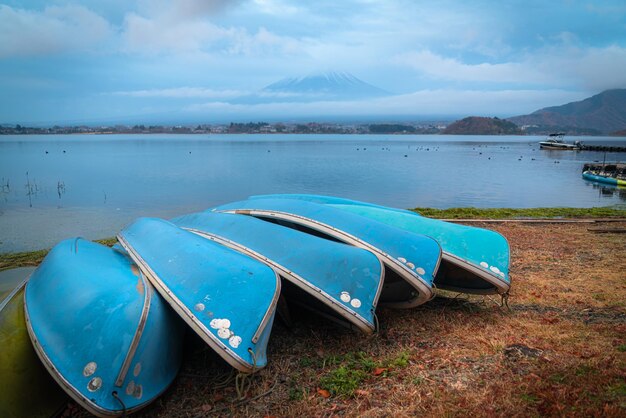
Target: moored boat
x=607, y=173
x=410, y=260
x=329, y=277
x=100, y=329
x=474, y=260
x=227, y=298
x=556, y=141
x=22, y=375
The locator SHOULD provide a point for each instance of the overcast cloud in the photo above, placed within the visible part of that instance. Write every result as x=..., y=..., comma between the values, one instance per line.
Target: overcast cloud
x=101, y=60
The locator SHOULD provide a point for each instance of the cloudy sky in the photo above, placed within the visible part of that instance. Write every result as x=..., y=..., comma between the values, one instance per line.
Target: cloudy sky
x=64, y=61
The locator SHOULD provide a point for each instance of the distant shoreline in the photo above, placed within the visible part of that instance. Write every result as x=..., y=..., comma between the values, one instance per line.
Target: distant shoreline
x=487, y=126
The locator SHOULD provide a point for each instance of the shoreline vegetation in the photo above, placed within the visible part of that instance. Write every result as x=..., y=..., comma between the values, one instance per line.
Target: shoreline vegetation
x=472, y=125
x=33, y=258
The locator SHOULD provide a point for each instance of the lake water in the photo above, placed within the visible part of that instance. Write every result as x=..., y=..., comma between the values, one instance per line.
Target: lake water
x=53, y=187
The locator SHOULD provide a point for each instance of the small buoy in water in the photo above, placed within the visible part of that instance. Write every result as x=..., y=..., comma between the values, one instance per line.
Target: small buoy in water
x=63, y=151
x=405, y=155
x=46, y=152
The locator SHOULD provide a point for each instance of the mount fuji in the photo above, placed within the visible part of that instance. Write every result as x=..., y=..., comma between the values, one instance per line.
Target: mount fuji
x=328, y=86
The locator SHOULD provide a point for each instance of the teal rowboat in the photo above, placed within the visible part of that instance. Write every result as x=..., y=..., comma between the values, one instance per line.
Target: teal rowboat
x=410, y=260
x=227, y=298
x=340, y=281
x=100, y=329
x=28, y=390
x=474, y=261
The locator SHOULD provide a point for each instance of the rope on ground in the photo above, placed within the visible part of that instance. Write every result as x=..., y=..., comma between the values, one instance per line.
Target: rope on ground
x=114, y=393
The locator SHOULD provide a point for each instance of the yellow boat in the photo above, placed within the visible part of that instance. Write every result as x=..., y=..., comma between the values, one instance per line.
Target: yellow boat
x=28, y=390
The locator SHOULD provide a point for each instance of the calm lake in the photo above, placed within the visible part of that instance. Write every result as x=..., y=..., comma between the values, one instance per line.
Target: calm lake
x=53, y=187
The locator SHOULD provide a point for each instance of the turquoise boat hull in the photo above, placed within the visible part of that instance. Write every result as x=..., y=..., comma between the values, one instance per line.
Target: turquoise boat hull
x=100, y=329
x=28, y=390
x=227, y=298
x=410, y=260
x=587, y=175
x=345, y=280
x=474, y=261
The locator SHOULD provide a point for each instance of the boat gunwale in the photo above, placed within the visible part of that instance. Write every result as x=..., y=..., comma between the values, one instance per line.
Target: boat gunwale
x=425, y=290
x=13, y=292
x=191, y=319
x=347, y=313
x=501, y=285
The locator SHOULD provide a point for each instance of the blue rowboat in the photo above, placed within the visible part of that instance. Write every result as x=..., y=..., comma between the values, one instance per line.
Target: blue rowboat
x=28, y=390
x=474, y=261
x=100, y=329
x=227, y=298
x=333, y=278
x=410, y=260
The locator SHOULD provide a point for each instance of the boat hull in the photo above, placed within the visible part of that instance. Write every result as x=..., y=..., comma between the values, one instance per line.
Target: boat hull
x=227, y=298
x=603, y=179
x=346, y=279
x=21, y=373
x=557, y=146
x=475, y=260
x=100, y=328
x=410, y=260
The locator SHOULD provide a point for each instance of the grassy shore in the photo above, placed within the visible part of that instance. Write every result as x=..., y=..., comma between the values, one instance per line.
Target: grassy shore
x=531, y=213
x=560, y=350
x=33, y=258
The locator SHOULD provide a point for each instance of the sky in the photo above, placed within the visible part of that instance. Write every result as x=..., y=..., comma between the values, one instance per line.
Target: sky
x=191, y=61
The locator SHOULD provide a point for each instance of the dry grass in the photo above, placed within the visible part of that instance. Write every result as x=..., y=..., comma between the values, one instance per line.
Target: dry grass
x=559, y=351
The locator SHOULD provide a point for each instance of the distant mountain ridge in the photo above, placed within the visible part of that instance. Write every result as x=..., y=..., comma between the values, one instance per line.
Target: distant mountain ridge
x=476, y=125
x=604, y=112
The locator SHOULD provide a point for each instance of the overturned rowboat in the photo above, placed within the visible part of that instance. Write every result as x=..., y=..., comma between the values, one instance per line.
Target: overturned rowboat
x=337, y=280
x=21, y=372
x=410, y=260
x=100, y=329
x=475, y=260
x=227, y=298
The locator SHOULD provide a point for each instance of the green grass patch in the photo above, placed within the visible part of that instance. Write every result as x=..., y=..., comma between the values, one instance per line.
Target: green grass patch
x=296, y=393
x=530, y=398
x=355, y=367
x=621, y=348
x=33, y=258
x=343, y=381
x=616, y=211
x=558, y=378
x=586, y=370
